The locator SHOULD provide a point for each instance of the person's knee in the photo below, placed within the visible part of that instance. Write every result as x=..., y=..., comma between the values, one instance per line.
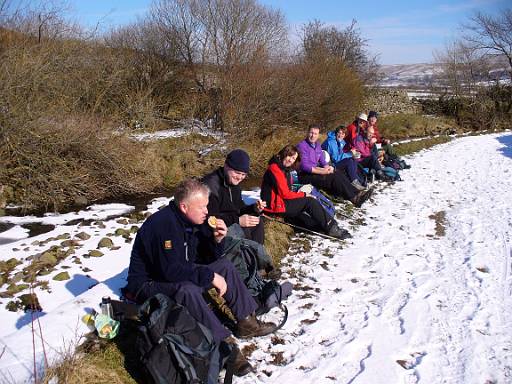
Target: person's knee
x=187, y=293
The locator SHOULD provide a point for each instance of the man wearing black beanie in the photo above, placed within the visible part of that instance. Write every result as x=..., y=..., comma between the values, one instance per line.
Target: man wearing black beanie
x=226, y=198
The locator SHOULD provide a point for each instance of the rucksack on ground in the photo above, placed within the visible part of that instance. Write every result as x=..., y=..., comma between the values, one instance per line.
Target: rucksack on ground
x=324, y=201
x=267, y=293
x=175, y=348
x=392, y=173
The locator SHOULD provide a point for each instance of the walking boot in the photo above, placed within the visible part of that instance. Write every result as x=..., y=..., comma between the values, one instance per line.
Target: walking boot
x=337, y=232
x=358, y=185
x=240, y=365
x=361, y=197
x=382, y=176
x=252, y=327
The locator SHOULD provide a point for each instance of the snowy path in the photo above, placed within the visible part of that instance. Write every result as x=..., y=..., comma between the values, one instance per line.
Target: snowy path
x=407, y=302
x=421, y=294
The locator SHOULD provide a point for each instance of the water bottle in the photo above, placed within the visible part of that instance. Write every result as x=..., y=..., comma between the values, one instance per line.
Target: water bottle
x=106, y=307
x=295, y=177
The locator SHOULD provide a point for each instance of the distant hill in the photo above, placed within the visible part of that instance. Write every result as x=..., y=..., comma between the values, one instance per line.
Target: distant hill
x=409, y=75
x=422, y=75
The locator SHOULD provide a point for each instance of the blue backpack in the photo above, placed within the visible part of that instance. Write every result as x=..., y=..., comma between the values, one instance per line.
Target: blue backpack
x=324, y=201
x=392, y=173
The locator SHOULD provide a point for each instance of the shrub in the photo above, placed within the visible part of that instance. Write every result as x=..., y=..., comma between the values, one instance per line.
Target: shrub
x=52, y=162
x=404, y=125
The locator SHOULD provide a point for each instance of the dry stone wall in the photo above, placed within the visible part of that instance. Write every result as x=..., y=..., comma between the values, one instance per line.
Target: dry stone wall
x=390, y=100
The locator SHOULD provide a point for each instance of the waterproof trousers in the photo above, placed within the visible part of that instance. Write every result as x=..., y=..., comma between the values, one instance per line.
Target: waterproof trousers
x=336, y=183
x=186, y=293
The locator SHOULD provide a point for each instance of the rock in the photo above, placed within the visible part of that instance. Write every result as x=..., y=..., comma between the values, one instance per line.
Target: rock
x=122, y=221
x=45, y=271
x=83, y=236
x=48, y=259
x=122, y=232
x=13, y=288
x=134, y=228
x=69, y=243
x=63, y=236
x=61, y=276
x=105, y=243
x=9, y=265
x=5, y=295
x=95, y=253
x=17, y=277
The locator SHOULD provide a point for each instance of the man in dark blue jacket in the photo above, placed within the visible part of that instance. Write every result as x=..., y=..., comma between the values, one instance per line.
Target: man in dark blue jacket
x=177, y=254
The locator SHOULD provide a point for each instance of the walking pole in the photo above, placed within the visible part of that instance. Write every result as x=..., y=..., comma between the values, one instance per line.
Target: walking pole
x=301, y=228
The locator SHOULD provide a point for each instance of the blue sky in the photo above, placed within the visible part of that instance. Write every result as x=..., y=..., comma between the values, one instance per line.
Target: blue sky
x=401, y=32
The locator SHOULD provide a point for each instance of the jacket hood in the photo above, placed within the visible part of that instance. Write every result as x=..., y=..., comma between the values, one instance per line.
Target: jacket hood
x=331, y=135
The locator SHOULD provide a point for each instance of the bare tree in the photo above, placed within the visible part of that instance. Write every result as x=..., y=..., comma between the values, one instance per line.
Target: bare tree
x=224, y=33
x=216, y=39
x=463, y=69
x=491, y=35
x=43, y=20
x=345, y=44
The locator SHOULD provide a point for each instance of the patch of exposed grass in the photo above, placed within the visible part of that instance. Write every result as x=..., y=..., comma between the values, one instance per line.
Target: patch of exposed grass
x=401, y=125
x=440, y=220
x=277, y=240
x=101, y=361
x=415, y=146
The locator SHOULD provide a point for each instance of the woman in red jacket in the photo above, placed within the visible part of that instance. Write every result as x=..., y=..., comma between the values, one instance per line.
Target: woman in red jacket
x=276, y=192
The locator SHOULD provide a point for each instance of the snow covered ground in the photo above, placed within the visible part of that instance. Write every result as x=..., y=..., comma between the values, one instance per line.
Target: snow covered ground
x=421, y=294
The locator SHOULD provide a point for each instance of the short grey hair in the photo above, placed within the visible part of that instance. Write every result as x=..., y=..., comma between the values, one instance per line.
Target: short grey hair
x=188, y=188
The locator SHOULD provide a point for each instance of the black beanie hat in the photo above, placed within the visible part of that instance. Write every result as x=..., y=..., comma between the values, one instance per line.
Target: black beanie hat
x=238, y=159
x=372, y=114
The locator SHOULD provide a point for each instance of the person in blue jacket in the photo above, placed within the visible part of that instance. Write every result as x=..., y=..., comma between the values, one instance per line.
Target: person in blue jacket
x=341, y=157
x=176, y=253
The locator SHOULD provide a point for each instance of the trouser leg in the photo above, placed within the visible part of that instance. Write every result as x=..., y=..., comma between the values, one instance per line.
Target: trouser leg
x=343, y=186
x=256, y=233
x=237, y=297
x=313, y=209
x=350, y=166
x=190, y=296
x=336, y=183
x=371, y=162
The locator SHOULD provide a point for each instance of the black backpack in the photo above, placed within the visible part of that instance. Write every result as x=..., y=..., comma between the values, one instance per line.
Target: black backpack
x=268, y=293
x=175, y=348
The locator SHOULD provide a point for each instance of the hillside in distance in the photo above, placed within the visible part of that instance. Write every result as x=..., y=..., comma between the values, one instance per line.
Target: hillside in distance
x=423, y=75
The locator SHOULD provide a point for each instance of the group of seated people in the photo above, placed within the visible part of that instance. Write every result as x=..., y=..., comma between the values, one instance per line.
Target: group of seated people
x=178, y=253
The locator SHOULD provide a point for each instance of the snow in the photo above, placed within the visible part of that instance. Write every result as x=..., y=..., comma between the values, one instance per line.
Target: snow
x=421, y=294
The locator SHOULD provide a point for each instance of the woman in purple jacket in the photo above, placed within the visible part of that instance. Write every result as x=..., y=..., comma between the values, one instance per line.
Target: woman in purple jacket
x=316, y=171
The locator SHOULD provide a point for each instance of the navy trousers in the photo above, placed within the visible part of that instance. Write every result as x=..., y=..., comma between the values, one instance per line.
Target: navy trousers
x=371, y=162
x=186, y=293
x=350, y=166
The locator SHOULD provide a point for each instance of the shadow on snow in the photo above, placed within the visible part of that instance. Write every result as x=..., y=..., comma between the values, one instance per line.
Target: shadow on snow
x=507, y=142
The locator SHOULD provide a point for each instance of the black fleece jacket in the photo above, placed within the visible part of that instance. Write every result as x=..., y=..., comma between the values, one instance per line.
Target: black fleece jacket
x=226, y=200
